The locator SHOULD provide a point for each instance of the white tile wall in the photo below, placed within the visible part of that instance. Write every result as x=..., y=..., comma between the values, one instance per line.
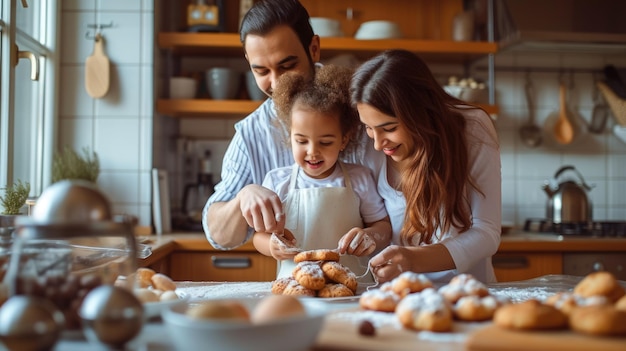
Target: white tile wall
x=119, y=125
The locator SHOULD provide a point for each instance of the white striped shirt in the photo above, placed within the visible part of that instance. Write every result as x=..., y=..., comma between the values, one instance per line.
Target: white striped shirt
x=256, y=148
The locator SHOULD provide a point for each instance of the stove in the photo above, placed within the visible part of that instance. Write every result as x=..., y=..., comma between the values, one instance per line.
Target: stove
x=583, y=263
x=595, y=229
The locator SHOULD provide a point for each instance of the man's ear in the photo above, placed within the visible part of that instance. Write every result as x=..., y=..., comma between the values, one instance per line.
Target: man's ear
x=314, y=48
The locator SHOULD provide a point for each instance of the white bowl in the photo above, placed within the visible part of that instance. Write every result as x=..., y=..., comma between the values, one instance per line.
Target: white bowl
x=182, y=88
x=326, y=27
x=295, y=333
x=378, y=30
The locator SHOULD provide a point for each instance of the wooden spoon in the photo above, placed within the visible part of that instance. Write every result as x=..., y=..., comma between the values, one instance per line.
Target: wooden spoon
x=563, y=128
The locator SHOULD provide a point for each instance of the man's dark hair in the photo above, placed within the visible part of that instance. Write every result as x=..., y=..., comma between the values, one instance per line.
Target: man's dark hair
x=265, y=15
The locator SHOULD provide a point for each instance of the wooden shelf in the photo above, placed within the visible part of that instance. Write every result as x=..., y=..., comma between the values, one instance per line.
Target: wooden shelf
x=206, y=108
x=228, y=45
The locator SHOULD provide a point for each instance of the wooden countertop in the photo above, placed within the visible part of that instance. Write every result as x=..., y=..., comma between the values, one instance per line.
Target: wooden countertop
x=515, y=241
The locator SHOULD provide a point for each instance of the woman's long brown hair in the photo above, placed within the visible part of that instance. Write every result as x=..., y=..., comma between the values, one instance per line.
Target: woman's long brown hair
x=399, y=84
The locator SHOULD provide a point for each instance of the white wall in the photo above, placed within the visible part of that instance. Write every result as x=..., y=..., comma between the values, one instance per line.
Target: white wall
x=118, y=127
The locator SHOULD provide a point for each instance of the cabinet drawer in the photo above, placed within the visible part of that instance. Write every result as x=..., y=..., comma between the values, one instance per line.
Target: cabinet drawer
x=522, y=266
x=221, y=266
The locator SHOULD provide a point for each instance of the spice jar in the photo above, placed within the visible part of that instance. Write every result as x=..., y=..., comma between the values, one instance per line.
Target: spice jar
x=68, y=247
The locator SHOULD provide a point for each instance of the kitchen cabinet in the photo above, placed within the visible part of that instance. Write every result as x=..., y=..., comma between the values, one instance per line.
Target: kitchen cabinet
x=426, y=25
x=513, y=266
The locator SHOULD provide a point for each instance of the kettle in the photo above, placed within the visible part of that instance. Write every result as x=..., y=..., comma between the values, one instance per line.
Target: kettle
x=567, y=200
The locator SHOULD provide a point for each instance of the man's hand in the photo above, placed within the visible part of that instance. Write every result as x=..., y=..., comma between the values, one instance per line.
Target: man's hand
x=261, y=209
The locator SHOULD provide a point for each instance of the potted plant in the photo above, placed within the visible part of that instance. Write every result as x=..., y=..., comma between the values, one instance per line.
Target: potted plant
x=69, y=164
x=11, y=203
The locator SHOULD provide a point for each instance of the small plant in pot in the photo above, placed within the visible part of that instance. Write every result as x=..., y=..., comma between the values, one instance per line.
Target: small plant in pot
x=69, y=164
x=11, y=203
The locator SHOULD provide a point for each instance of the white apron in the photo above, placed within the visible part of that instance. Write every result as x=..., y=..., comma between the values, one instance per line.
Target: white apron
x=319, y=217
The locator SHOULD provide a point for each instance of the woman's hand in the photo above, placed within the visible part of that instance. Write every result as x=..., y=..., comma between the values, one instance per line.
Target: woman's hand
x=356, y=242
x=390, y=262
x=283, y=246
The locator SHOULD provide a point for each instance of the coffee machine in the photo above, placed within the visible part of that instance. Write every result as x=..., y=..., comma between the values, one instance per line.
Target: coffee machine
x=196, y=194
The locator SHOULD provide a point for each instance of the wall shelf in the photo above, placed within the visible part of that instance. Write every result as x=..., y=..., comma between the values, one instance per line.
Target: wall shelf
x=236, y=109
x=228, y=45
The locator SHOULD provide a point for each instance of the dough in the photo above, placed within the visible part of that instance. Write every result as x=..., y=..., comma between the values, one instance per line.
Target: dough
x=529, y=315
x=339, y=273
x=144, y=277
x=335, y=290
x=621, y=303
x=426, y=310
x=379, y=300
x=162, y=282
x=276, y=307
x=220, y=309
x=317, y=255
x=603, y=320
x=310, y=275
x=600, y=283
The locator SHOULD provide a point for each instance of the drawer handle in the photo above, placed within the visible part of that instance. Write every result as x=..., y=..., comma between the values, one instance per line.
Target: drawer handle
x=230, y=262
x=515, y=262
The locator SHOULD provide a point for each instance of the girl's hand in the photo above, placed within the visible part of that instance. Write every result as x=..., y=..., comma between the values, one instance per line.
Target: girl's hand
x=283, y=246
x=356, y=242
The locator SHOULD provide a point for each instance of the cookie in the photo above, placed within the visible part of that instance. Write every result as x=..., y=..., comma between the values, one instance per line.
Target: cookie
x=293, y=288
x=339, y=273
x=473, y=308
x=317, y=255
x=279, y=285
x=335, y=290
x=600, y=283
x=379, y=300
x=410, y=282
x=463, y=285
x=529, y=315
x=603, y=320
x=309, y=275
x=425, y=310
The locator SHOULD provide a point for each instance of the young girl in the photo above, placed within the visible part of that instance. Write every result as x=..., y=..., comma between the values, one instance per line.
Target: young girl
x=328, y=204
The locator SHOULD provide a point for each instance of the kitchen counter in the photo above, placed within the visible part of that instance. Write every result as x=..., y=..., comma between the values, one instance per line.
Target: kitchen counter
x=513, y=241
x=340, y=331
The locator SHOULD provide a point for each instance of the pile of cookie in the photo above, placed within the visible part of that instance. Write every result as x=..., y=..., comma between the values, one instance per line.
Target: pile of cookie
x=596, y=306
x=418, y=305
x=317, y=273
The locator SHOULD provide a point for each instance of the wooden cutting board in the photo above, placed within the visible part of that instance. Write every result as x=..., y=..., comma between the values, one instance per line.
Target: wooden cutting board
x=97, y=70
x=493, y=338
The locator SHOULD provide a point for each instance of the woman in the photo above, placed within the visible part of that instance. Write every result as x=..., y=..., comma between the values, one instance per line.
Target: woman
x=438, y=172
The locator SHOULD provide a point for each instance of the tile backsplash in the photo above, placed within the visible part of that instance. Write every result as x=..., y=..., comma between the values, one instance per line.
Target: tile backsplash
x=130, y=139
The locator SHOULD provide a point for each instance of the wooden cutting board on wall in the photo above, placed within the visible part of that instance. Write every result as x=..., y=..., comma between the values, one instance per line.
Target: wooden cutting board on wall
x=493, y=338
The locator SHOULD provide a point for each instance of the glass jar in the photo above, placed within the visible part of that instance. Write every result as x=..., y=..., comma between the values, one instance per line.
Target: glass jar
x=61, y=255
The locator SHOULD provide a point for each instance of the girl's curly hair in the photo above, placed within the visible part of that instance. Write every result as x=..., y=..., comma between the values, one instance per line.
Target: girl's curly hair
x=328, y=93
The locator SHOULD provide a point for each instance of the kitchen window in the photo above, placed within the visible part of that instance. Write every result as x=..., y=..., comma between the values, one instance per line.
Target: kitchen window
x=28, y=39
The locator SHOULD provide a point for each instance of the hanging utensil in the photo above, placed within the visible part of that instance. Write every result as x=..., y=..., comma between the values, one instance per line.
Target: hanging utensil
x=600, y=113
x=97, y=70
x=563, y=128
x=530, y=132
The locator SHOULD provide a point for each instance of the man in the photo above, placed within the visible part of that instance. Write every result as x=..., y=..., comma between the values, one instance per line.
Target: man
x=277, y=38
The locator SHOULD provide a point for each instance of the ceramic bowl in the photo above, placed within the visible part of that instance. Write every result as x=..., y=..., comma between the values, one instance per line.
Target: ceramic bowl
x=294, y=333
x=378, y=30
x=222, y=83
x=182, y=88
x=326, y=27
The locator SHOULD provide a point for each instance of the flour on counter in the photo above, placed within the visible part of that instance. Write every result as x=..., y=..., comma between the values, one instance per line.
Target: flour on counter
x=203, y=291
